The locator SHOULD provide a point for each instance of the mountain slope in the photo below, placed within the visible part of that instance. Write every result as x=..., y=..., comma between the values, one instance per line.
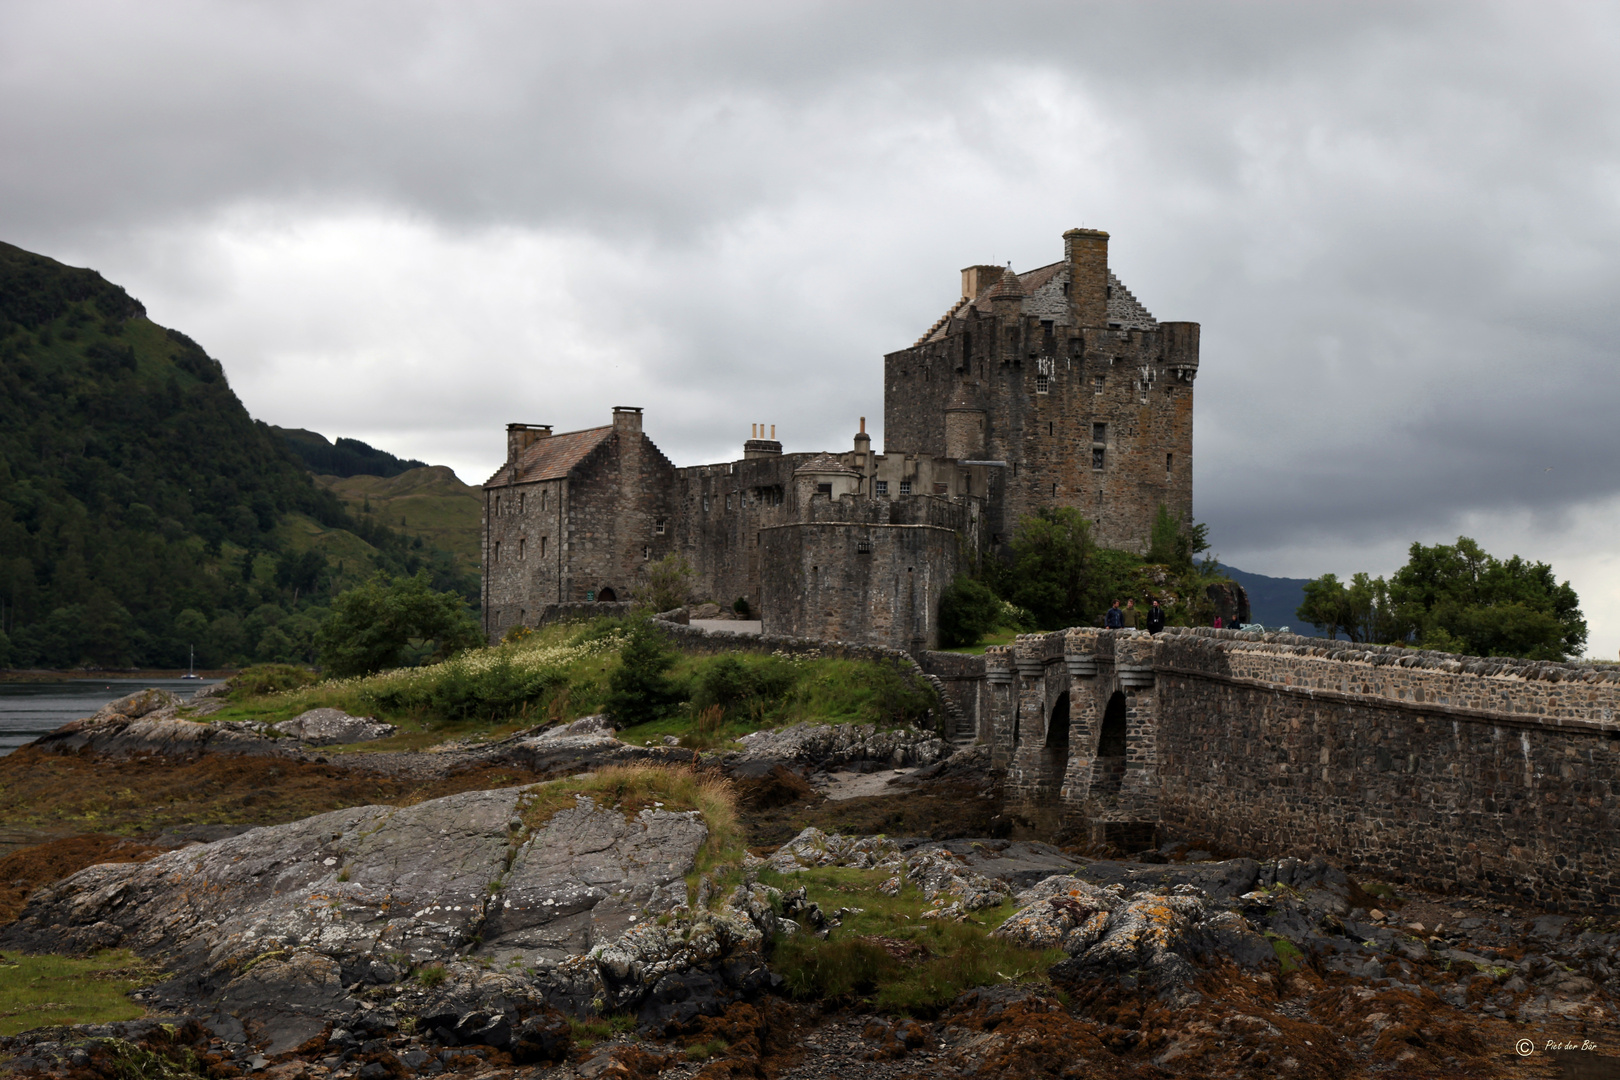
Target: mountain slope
x=430, y=502
x=142, y=510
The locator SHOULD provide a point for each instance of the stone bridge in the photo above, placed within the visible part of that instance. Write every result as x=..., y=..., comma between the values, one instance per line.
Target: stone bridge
x=1495, y=775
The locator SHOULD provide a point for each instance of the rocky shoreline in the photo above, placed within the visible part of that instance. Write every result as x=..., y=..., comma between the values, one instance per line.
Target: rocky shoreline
x=484, y=934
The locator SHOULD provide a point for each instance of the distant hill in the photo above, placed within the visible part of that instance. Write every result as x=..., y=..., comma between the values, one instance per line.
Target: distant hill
x=142, y=510
x=344, y=458
x=1273, y=600
x=429, y=502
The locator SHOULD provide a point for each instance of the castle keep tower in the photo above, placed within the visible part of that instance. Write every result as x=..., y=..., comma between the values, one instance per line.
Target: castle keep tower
x=1063, y=378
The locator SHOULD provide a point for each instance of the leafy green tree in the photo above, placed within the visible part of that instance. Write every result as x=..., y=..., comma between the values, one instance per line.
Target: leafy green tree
x=384, y=623
x=665, y=583
x=1456, y=598
x=1174, y=542
x=1458, y=594
x=640, y=689
x=968, y=610
x=1050, y=572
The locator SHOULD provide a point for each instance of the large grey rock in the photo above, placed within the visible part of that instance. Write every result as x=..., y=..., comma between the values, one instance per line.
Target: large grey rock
x=331, y=727
x=829, y=746
x=276, y=913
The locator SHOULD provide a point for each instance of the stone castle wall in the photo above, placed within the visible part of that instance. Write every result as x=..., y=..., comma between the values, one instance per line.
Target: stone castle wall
x=853, y=581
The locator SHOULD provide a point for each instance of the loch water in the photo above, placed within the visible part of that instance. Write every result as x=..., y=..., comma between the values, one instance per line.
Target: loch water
x=31, y=709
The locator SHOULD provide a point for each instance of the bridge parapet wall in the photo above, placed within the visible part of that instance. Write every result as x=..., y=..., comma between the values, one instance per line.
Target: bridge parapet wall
x=1490, y=775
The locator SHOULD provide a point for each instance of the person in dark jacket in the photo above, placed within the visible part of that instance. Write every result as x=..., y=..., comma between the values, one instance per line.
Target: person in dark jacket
x=1115, y=618
x=1155, y=618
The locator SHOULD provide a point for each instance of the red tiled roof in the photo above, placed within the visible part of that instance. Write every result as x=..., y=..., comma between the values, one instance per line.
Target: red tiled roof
x=551, y=458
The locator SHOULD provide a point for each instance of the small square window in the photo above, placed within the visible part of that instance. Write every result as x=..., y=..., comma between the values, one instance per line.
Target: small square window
x=880, y=487
x=823, y=489
x=1043, y=384
x=658, y=527
x=905, y=487
x=942, y=489
x=1097, y=453
x=863, y=546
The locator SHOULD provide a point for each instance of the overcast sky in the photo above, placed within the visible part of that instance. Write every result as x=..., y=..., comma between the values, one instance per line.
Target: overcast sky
x=412, y=223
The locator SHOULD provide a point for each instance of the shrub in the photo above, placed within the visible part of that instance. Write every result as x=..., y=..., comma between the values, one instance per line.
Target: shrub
x=269, y=679
x=372, y=626
x=640, y=691
x=968, y=610
x=665, y=583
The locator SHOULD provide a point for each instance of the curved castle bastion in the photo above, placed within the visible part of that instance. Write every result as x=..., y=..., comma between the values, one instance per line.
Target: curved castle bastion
x=1495, y=776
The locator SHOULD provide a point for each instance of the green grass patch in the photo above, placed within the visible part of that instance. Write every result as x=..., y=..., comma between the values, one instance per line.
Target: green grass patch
x=634, y=788
x=561, y=672
x=1001, y=636
x=48, y=990
x=1289, y=956
x=888, y=956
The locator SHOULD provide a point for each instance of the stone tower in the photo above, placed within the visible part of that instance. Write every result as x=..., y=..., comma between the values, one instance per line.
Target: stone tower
x=1060, y=375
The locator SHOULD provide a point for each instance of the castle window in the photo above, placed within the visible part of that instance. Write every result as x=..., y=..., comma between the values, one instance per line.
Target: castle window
x=1109, y=291
x=521, y=498
x=1096, y=384
x=543, y=500
x=1099, y=432
x=1051, y=428
x=1097, y=453
x=646, y=552
x=658, y=527
x=542, y=547
x=497, y=551
x=497, y=504
x=1054, y=491
x=905, y=487
x=823, y=489
x=863, y=546
x=942, y=489
x=1043, y=384
x=880, y=487
x=1169, y=462
x=728, y=501
x=705, y=504
x=520, y=551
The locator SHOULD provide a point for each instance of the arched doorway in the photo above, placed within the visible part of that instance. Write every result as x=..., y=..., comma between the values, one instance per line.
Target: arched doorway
x=606, y=596
x=1109, y=770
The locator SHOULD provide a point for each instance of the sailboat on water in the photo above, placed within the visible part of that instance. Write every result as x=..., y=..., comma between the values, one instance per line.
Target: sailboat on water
x=191, y=671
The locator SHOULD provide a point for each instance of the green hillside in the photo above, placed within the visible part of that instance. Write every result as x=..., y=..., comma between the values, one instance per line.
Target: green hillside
x=429, y=502
x=142, y=510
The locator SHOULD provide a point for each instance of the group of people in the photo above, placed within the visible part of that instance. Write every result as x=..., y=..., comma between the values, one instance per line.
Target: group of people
x=1124, y=618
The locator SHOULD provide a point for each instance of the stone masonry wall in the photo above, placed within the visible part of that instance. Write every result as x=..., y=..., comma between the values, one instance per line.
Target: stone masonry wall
x=1449, y=772
x=856, y=582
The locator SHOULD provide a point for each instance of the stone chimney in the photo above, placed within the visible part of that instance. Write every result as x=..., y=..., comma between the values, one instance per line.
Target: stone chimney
x=1086, y=252
x=976, y=279
x=627, y=418
x=520, y=437
x=863, y=441
x=759, y=446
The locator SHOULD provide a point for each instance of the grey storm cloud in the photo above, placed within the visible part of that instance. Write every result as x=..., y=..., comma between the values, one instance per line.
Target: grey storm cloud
x=1397, y=223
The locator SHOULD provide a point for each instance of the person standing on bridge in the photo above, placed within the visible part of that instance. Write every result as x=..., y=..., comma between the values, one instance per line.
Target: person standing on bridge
x=1115, y=618
x=1155, y=618
x=1130, y=614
